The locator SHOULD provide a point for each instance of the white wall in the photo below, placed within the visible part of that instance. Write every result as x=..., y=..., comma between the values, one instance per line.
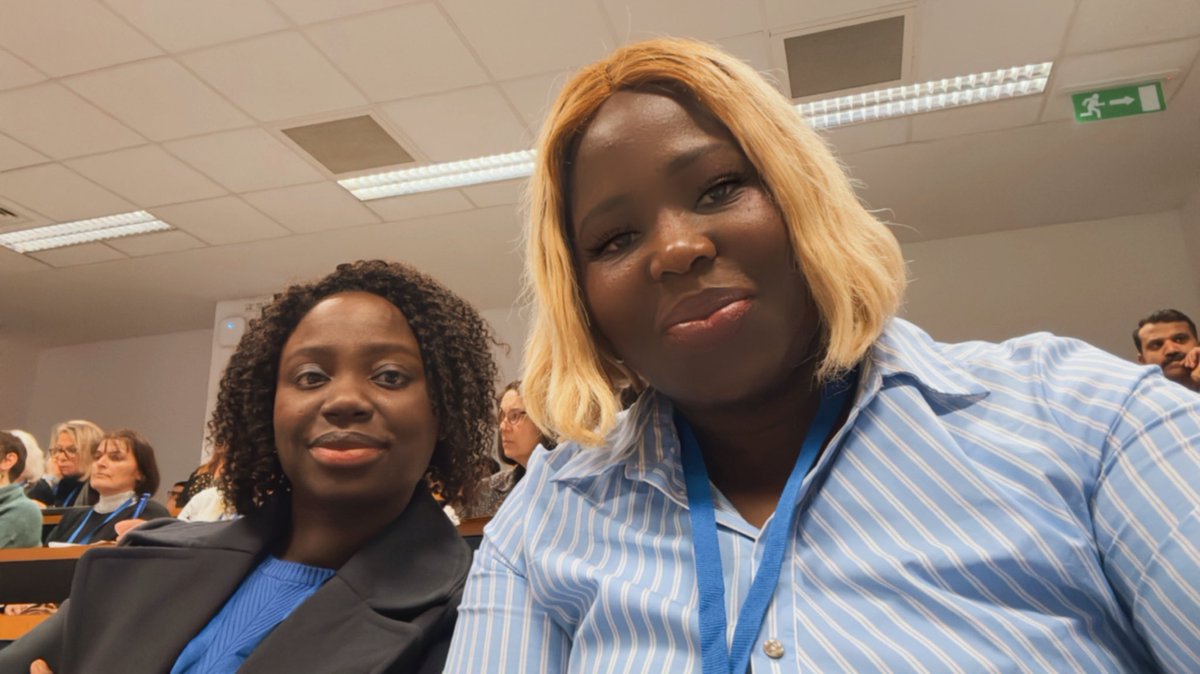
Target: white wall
x=1189, y=222
x=18, y=369
x=510, y=327
x=1091, y=280
x=154, y=385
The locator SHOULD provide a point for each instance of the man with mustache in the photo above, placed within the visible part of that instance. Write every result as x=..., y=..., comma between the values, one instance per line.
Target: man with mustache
x=1167, y=338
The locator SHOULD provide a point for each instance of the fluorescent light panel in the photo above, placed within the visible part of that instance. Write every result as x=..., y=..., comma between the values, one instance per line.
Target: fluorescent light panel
x=825, y=114
x=82, y=231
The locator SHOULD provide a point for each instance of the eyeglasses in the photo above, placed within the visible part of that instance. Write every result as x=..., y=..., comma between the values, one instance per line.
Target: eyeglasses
x=512, y=417
x=72, y=452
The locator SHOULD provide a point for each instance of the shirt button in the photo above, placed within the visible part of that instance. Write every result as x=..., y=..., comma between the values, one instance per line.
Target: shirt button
x=773, y=648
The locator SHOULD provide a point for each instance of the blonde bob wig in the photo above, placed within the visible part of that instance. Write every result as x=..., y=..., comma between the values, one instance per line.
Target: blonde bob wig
x=851, y=261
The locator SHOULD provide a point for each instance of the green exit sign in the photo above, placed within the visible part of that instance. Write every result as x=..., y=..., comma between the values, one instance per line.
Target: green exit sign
x=1093, y=106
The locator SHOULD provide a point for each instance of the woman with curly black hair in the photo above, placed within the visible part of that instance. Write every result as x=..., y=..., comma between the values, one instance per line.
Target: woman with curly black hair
x=337, y=407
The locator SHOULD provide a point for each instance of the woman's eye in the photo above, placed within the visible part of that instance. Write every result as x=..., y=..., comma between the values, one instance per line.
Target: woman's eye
x=725, y=190
x=390, y=378
x=612, y=243
x=310, y=379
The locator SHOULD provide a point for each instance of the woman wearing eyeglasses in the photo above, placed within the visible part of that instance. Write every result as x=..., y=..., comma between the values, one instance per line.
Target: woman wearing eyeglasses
x=71, y=446
x=515, y=442
x=124, y=476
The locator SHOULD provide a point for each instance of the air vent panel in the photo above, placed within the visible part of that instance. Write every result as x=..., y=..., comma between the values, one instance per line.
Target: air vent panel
x=349, y=145
x=845, y=58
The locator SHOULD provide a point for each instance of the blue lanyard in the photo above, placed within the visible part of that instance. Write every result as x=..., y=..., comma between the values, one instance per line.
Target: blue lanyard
x=710, y=579
x=87, y=517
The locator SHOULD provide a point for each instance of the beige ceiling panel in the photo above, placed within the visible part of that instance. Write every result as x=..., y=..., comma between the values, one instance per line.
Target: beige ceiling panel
x=312, y=208
x=783, y=15
x=246, y=160
x=16, y=73
x=519, y=38
x=15, y=155
x=147, y=176
x=977, y=118
x=960, y=38
x=221, y=221
x=533, y=96
x=155, y=243
x=1113, y=68
x=1111, y=24
x=275, y=77
x=159, y=99
x=701, y=19
x=312, y=11
x=74, y=256
x=179, y=25
x=54, y=121
x=15, y=263
x=847, y=140
x=497, y=194
x=421, y=205
x=755, y=49
x=404, y=52
x=63, y=37
x=60, y=194
x=460, y=124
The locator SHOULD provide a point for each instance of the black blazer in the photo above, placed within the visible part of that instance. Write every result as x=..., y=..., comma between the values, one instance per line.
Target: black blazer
x=133, y=608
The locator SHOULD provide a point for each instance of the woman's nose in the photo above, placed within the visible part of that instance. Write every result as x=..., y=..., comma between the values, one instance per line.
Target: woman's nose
x=677, y=245
x=347, y=403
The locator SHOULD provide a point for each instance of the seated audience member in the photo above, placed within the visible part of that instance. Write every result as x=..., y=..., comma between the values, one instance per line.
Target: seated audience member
x=20, y=518
x=124, y=476
x=517, y=439
x=173, y=497
x=335, y=407
x=72, y=444
x=208, y=506
x=805, y=473
x=37, y=482
x=1167, y=338
x=203, y=477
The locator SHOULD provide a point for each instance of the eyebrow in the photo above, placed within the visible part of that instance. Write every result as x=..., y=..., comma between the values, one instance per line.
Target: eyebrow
x=678, y=163
x=373, y=348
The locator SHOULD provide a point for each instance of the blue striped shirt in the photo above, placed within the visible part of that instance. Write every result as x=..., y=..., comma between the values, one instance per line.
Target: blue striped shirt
x=1031, y=506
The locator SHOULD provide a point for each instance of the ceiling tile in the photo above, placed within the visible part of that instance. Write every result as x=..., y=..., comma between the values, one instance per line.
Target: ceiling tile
x=73, y=256
x=179, y=25
x=60, y=194
x=755, y=49
x=14, y=155
x=147, y=176
x=389, y=54
x=155, y=243
x=16, y=73
x=312, y=208
x=221, y=221
x=847, y=140
x=312, y=11
x=497, y=194
x=247, y=160
x=1110, y=24
x=533, y=96
x=421, y=205
x=52, y=120
x=460, y=124
x=1111, y=68
x=701, y=19
x=527, y=37
x=960, y=38
x=788, y=14
x=159, y=99
x=16, y=263
x=977, y=118
x=275, y=77
x=63, y=37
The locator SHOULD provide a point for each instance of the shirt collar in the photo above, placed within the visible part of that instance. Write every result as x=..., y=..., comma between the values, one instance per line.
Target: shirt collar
x=644, y=443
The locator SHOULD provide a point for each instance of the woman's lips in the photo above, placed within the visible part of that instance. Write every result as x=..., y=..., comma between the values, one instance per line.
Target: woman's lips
x=710, y=329
x=345, y=457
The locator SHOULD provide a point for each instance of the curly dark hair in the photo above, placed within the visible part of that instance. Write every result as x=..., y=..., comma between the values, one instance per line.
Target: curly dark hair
x=455, y=349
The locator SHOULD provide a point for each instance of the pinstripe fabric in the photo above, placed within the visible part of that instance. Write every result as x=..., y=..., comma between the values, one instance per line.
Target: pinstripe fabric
x=1031, y=506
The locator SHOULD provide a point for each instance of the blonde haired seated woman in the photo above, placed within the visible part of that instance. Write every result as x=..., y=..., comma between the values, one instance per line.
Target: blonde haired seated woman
x=807, y=484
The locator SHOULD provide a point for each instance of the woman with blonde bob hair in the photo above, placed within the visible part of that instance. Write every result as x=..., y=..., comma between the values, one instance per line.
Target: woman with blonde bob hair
x=805, y=482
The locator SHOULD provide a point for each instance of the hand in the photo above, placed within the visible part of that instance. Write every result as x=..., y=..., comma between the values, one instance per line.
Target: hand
x=40, y=667
x=1192, y=362
x=126, y=526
